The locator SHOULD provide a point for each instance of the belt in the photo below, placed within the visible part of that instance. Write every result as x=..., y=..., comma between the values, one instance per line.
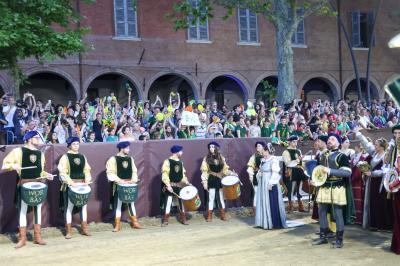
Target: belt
x=219, y=175
x=180, y=184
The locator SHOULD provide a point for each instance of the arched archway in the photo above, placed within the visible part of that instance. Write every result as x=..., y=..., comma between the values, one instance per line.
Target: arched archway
x=48, y=85
x=162, y=85
x=226, y=90
x=351, y=93
x=267, y=89
x=112, y=83
x=319, y=88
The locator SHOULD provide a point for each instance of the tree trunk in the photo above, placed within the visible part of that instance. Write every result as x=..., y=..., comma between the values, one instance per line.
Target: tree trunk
x=286, y=84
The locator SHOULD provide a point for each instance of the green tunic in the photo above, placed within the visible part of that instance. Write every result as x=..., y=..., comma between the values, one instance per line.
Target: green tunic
x=31, y=158
x=124, y=167
x=77, y=165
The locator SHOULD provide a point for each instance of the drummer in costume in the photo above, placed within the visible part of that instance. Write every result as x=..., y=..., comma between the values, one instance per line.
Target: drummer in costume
x=29, y=163
x=253, y=166
x=213, y=169
x=121, y=169
x=174, y=179
x=74, y=169
x=334, y=192
x=378, y=210
x=392, y=161
x=294, y=173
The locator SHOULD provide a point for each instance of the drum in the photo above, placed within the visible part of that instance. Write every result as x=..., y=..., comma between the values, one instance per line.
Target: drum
x=127, y=193
x=390, y=177
x=190, y=198
x=231, y=187
x=79, y=195
x=33, y=193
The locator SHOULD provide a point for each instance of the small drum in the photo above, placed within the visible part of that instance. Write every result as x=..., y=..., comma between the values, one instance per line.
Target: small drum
x=79, y=195
x=127, y=193
x=190, y=198
x=231, y=187
x=33, y=193
x=390, y=177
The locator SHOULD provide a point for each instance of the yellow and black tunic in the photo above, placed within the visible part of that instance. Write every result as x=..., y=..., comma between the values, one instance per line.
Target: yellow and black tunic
x=213, y=171
x=253, y=166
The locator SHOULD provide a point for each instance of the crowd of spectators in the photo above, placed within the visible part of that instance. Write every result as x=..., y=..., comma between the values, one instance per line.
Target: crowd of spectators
x=105, y=120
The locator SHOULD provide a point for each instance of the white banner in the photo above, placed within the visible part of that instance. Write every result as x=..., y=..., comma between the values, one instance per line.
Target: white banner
x=190, y=119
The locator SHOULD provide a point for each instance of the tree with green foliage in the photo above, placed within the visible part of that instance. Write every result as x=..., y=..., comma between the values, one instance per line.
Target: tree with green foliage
x=43, y=29
x=285, y=15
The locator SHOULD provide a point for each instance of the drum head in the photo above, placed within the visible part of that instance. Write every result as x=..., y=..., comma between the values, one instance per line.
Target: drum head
x=389, y=178
x=188, y=192
x=81, y=189
x=34, y=185
x=230, y=180
x=127, y=185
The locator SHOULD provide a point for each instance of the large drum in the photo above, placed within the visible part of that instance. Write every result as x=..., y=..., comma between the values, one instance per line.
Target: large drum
x=33, y=193
x=79, y=195
x=190, y=198
x=231, y=187
x=127, y=193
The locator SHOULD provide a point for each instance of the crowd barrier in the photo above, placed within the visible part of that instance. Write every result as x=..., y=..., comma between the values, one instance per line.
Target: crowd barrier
x=149, y=157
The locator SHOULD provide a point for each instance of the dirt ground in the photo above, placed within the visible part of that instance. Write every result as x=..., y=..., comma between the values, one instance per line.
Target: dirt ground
x=235, y=242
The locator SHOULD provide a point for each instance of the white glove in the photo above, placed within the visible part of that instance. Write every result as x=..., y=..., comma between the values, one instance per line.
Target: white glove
x=270, y=186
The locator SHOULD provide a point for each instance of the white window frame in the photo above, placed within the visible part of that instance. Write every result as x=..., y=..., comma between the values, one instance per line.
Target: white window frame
x=198, y=24
x=126, y=36
x=295, y=43
x=248, y=42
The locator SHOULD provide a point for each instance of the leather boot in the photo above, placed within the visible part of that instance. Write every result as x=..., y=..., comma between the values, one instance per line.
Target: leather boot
x=117, y=226
x=339, y=240
x=85, y=229
x=68, y=231
x=209, y=216
x=37, y=237
x=301, y=206
x=21, y=237
x=135, y=223
x=322, y=237
x=165, y=220
x=290, y=206
x=222, y=214
x=182, y=218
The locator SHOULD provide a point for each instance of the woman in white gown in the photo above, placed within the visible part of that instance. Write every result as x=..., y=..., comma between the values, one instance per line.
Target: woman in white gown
x=270, y=209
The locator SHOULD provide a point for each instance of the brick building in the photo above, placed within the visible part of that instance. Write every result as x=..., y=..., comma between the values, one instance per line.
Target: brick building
x=222, y=60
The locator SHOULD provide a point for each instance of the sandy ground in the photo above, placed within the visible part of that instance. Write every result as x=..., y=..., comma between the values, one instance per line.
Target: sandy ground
x=235, y=242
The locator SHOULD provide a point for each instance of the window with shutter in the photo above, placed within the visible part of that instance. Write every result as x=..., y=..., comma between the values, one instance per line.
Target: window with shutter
x=248, y=28
x=125, y=19
x=361, y=29
x=298, y=37
x=197, y=30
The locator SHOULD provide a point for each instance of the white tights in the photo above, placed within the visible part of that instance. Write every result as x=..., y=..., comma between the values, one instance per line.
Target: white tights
x=211, y=198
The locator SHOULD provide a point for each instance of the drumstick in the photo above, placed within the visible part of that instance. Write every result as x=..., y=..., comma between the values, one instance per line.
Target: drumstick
x=28, y=167
x=175, y=194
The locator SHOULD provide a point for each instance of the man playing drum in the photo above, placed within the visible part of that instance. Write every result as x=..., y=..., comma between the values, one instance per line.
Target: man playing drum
x=332, y=194
x=213, y=169
x=74, y=169
x=29, y=163
x=253, y=166
x=174, y=179
x=121, y=169
x=294, y=171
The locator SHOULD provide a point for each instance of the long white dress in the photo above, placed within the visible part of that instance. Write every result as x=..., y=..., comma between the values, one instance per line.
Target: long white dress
x=270, y=209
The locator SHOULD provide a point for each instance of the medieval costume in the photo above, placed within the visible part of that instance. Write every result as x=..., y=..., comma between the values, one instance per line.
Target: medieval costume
x=74, y=169
x=357, y=184
x=391, y=162
x=335, y=193
x=174, y=179
x=293, y=173
x=29, y=163
x=213, y=169
x=270, y=208
x=253, y=166
x=378, y=212
x=121, y=169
